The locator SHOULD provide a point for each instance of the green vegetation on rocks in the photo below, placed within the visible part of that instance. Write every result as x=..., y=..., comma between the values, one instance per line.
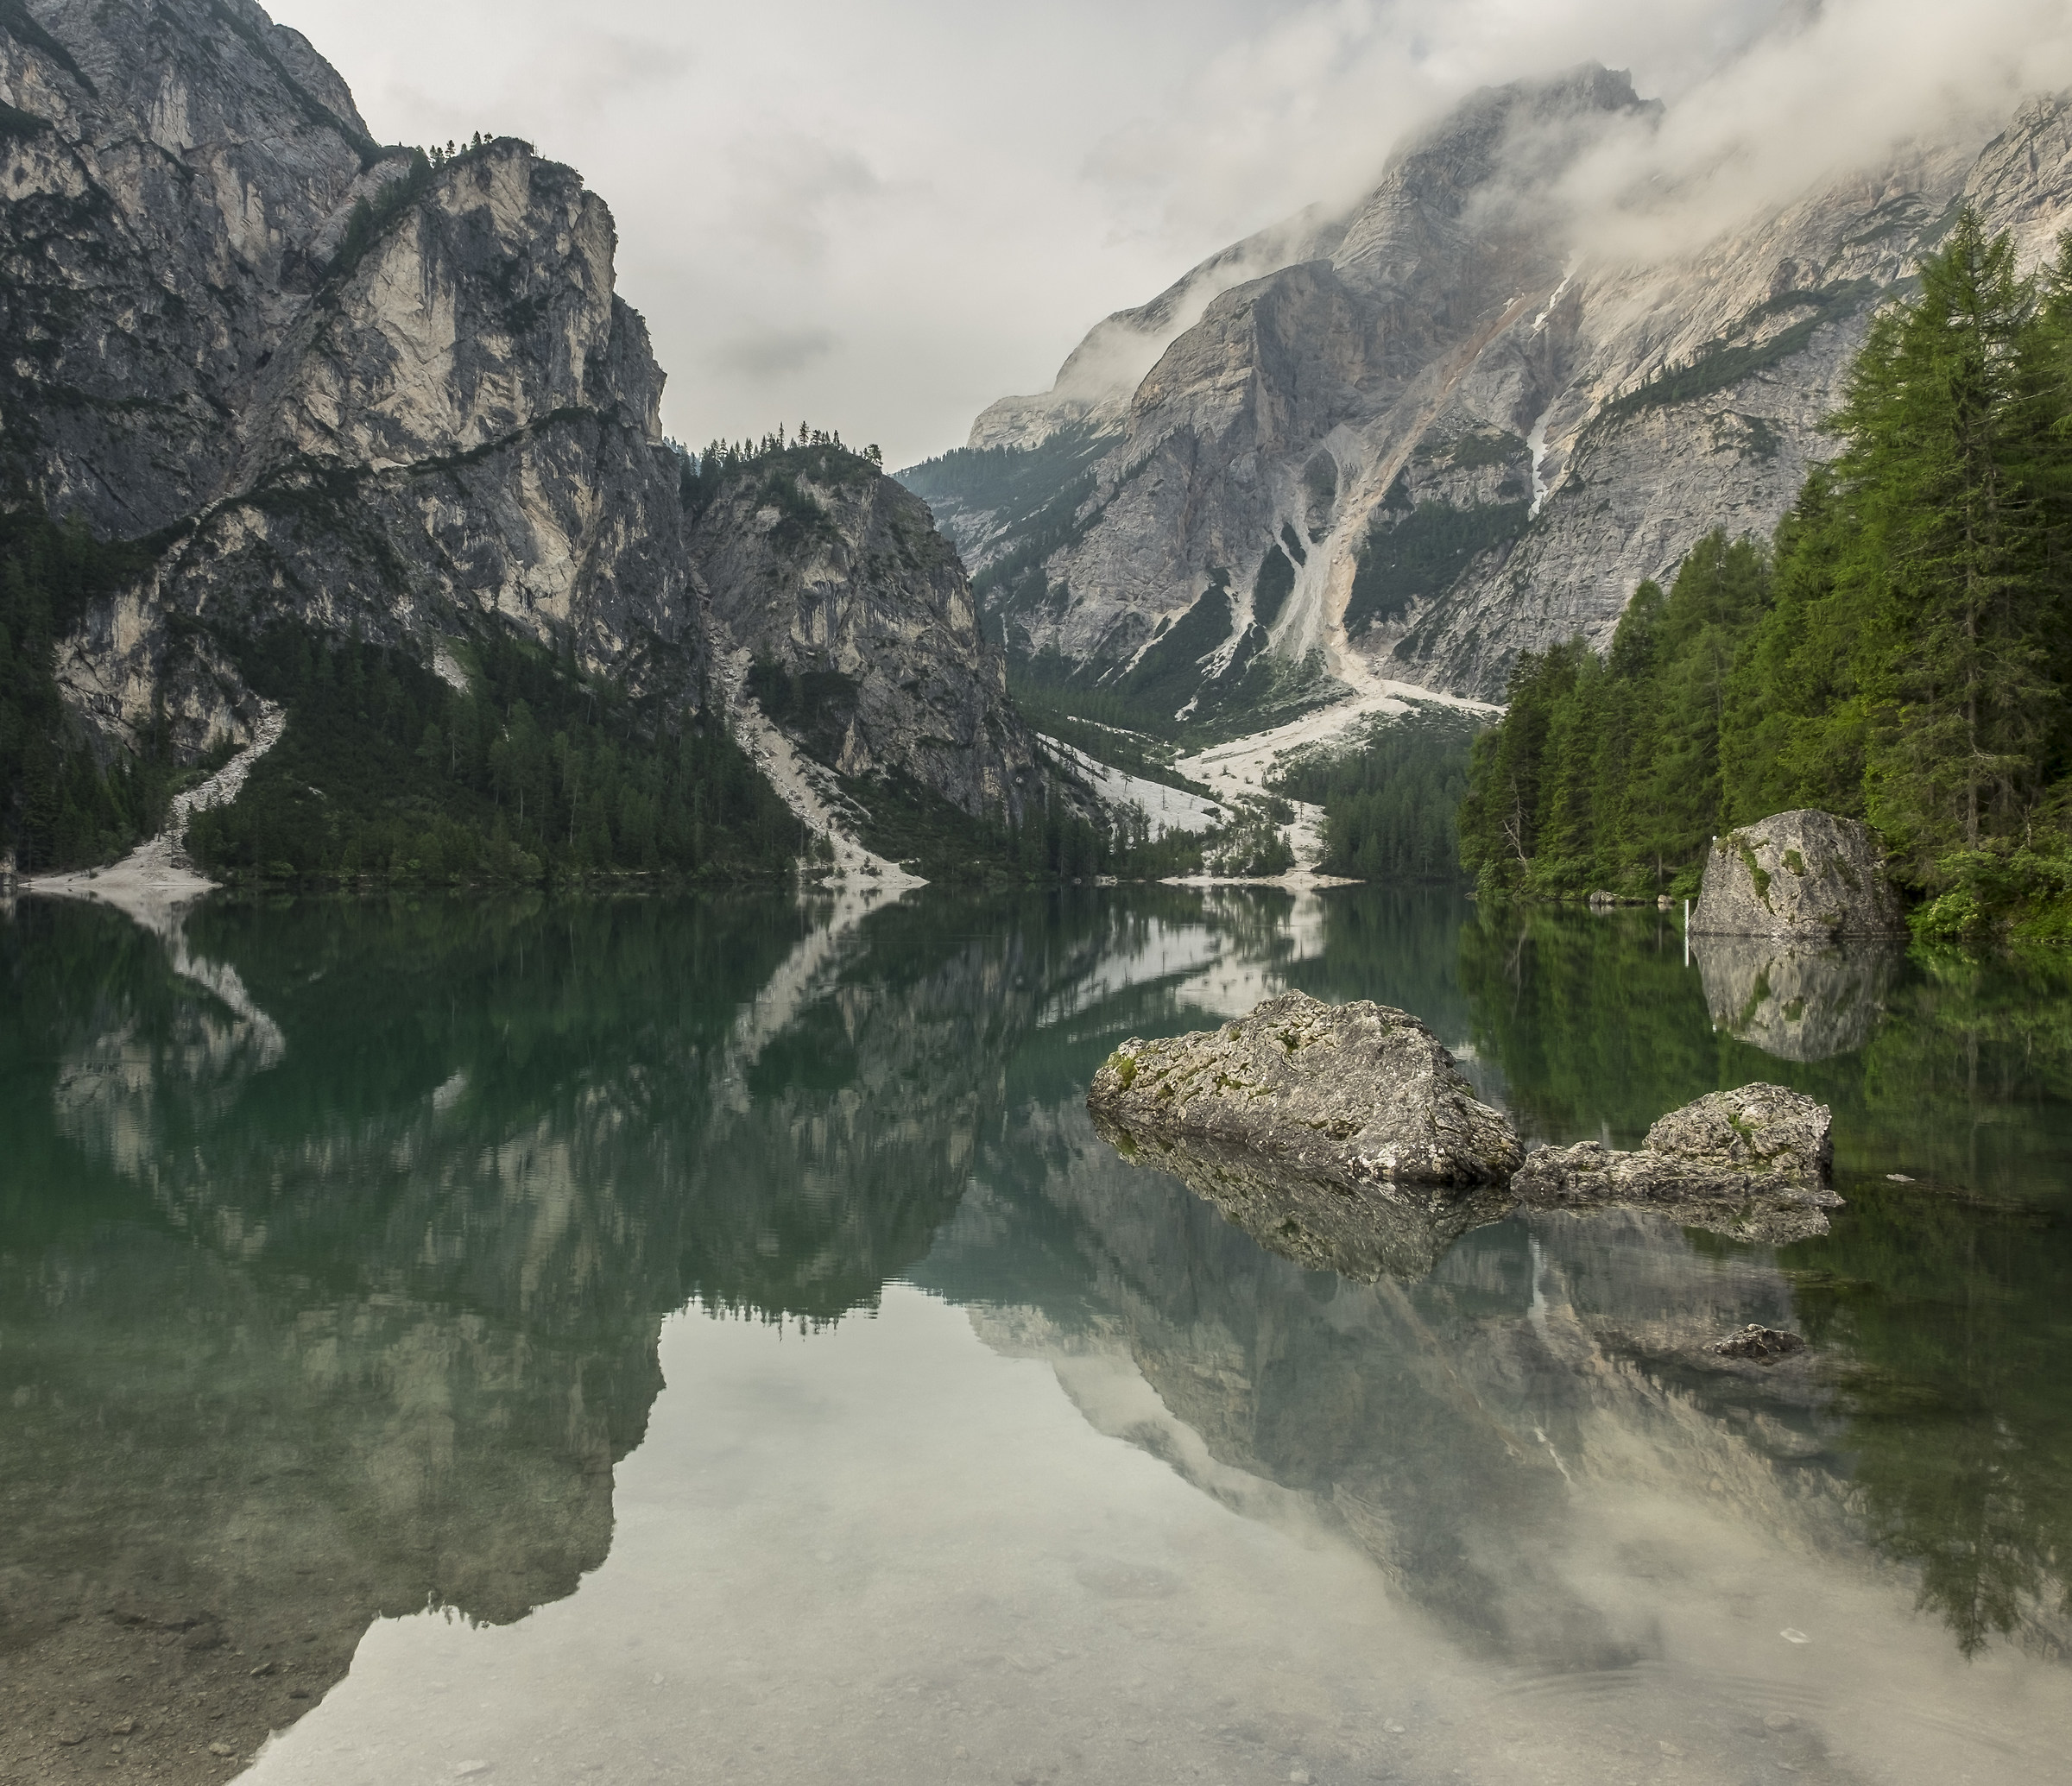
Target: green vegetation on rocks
x=62, y=806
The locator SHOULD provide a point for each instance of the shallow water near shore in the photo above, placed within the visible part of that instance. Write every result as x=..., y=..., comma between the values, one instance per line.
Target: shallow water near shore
x=696, y=1340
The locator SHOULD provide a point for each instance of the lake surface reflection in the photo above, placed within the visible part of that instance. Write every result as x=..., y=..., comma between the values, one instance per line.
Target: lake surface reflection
x=653, y=1341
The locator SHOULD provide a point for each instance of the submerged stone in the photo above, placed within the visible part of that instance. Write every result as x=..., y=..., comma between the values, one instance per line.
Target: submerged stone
x=1349, y=1095
x=1799, y=874
x=1765, y=1344
x=1364, y=1232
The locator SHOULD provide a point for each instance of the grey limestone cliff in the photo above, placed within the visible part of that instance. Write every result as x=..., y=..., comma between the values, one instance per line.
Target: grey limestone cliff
x=823, y=570
x=338, y=385
x=1449, y=425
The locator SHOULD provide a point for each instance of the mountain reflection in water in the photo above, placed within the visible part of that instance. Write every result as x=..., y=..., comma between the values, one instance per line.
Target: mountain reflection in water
x=338, y=1241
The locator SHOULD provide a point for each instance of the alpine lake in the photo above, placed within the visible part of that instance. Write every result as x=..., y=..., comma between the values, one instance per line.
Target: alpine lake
x=700, y=1340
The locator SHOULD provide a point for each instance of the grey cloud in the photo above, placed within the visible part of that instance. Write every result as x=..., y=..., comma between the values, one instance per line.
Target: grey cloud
x=961, y=190
x=778, y=354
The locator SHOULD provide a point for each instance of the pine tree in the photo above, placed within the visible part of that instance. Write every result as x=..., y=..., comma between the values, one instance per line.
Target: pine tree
x=1938, y=422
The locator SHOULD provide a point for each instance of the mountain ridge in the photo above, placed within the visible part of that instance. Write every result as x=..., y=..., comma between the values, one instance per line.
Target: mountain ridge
x=1480, y=432
x=384, y=395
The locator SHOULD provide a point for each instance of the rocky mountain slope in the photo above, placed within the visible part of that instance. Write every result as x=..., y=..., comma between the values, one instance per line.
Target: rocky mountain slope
x=355, y=389
x=1447, y=429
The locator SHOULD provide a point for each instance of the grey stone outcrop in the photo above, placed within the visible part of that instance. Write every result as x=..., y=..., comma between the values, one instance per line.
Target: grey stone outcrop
x=1755, y=1163
x=1351, y=1095
x=1802, y=873
x=1345, y=1137
x=1760, y=1344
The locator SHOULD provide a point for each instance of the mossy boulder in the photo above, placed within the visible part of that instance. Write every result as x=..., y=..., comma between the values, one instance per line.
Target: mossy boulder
x=1353, y=1095
x=1800, y=873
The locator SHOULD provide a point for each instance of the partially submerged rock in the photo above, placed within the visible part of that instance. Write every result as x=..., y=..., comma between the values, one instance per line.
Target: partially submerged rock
x=1799, y=874
x=1365, y=1231
x=1763, y=1344
x=1345, y=1095
x=1345, y=1137
x=1753, y=1164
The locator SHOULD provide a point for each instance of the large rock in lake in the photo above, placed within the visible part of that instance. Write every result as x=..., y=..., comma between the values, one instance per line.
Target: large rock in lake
x=1802, y=873
x=1349, y=1095
x=1753, y=1163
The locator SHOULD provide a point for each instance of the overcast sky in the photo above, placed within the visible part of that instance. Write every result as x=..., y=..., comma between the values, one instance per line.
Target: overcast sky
x=880, y=217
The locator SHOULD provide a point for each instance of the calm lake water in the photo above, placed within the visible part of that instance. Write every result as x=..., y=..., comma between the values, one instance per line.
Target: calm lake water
x=705, y=1340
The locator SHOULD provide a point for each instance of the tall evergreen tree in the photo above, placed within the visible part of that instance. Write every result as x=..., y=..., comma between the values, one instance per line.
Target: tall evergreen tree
x=1940, y=426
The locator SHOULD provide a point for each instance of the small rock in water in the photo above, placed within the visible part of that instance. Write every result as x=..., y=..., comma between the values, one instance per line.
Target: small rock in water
x=1299, y=1777
x=1765, y=1344
x=221, y=1749
x=1392, y=1728
x=1753, y=1163
x=1790, y=1636
x=467, y=1770
x=1778, y=1720
x=1899, y=1178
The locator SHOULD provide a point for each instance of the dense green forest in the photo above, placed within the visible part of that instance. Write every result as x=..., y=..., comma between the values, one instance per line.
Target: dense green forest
x=1900, y=653
x=1389, y=807
x=387, y=773
x=60, y=805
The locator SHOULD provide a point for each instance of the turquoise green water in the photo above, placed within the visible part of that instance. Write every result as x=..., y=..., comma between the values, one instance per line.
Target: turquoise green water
x=657, y=1340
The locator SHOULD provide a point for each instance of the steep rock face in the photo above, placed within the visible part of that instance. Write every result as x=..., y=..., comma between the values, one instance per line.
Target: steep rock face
x=162, y=227
x=821, y=568
x=341, y=387
x=1092, y=387
x=1491, y=434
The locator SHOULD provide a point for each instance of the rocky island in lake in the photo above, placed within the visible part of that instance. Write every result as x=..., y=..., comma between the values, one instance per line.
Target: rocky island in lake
x=1345, y=1137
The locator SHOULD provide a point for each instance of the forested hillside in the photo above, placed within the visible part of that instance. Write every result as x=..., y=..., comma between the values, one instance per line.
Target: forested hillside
x=1389, y=806
x=1899, y=653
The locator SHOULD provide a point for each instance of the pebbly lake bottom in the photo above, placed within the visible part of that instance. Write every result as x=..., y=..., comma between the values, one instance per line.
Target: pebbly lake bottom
x=654, y=1341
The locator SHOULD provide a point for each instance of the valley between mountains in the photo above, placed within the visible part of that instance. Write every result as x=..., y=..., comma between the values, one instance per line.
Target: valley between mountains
x=294, y=419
